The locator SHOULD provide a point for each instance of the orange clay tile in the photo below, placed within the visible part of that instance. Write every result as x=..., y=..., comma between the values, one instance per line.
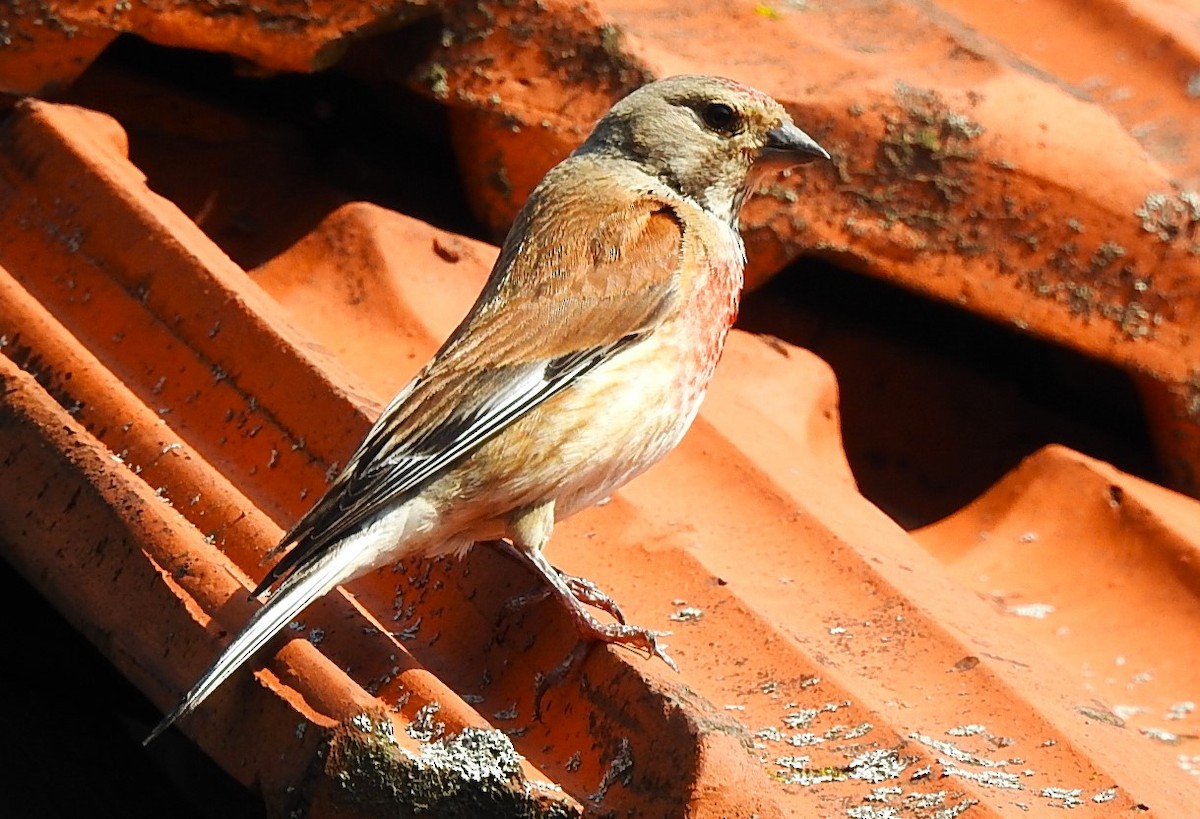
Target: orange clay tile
x=1135, y=538
x=164, y=413
x=830, y=662
x=1034, y=186
x=46, y=44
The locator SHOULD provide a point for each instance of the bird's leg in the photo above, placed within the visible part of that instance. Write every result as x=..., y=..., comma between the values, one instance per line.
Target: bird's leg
x=634, y=637
x=530, y=529
x=582, y=589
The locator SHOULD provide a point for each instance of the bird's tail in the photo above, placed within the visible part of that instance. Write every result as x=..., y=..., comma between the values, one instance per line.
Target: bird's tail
x=303, y=586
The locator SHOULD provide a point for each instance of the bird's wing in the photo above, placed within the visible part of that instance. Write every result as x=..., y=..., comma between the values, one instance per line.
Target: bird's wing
x=575, y=294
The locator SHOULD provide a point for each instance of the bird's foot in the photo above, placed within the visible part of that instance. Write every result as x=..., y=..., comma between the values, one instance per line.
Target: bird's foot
x=588, y=593
x=633, y=637
x=582, y=589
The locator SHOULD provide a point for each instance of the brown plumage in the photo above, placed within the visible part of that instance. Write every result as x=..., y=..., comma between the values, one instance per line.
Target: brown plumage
x=582, y=363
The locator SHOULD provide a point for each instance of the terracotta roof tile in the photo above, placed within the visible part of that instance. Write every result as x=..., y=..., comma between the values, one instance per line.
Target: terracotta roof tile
x=165, y=412
x=44, y=46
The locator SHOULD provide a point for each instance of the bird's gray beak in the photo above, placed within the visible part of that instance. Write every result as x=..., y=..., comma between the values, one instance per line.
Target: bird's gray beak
x=788, y=145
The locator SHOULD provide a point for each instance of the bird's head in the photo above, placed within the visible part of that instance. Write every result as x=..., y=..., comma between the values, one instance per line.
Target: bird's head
x=707, y=138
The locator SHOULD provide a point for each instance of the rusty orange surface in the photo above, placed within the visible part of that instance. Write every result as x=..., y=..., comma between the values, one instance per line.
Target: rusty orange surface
x=165, y=412
x=45, y=46
x=1017, y=184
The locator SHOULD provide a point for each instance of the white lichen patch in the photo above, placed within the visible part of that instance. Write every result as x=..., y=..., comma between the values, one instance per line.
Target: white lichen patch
x=869, y=812
x=957, y=754
x=989, y=778
x=877, y=766
x=804, y=740
x=951, y=811
x=801, y=718
x=924, y=772
x=425, y=727
x=1067, y=797
x=925, y=801
x=1180, y=710
x=796, y=763
x=1035, y=611
x=472, y=755
x=1161, y=735
x=1127, y=712
x=474, y=772
x=891, y=801
x=858, y=731
x=1171, y=214
x=686, y=614
x=884, y=794
x=770, y=734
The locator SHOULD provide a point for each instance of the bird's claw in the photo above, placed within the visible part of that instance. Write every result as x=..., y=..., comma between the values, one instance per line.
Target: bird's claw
x=588, y=593
x=582, y=589
x=639, y=639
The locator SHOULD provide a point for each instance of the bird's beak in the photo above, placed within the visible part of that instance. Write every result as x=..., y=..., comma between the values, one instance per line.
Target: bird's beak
x=787, y=145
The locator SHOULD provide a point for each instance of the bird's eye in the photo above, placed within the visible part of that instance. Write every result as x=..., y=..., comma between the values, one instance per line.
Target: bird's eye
x=721, y=118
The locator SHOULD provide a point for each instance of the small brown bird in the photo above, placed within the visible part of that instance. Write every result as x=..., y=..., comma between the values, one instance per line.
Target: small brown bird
x=582, y=363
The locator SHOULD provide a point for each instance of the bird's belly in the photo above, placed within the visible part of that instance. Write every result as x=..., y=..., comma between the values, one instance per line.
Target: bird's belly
x=611, y=425
x=637, y=410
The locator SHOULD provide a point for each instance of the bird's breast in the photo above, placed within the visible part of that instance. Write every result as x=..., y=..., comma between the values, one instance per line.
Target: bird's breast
x=624, y=415
x=632, y=410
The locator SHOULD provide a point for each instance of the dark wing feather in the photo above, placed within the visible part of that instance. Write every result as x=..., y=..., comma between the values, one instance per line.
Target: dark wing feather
x=523, y=343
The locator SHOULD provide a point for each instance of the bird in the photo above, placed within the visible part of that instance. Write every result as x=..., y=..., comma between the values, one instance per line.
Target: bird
x=582, y=363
